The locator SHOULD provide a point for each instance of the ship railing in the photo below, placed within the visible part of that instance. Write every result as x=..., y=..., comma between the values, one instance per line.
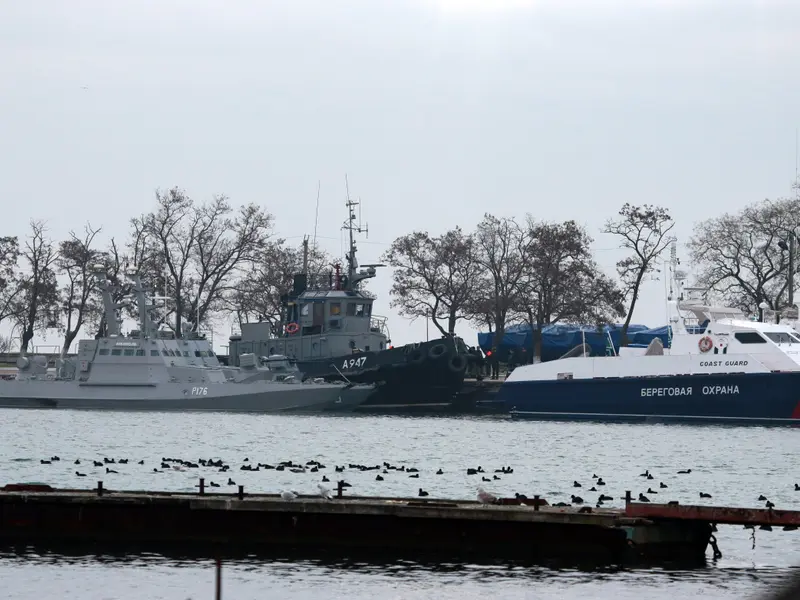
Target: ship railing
x=46, y=349
x=378, y=324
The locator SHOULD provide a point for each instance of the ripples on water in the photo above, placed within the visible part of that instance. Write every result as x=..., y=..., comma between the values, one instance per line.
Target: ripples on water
x=735, y=465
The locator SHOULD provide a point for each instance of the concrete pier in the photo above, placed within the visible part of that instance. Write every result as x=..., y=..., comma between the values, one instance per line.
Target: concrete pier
x=442, y=527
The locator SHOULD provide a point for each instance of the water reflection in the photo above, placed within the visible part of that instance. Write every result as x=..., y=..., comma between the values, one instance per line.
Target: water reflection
x=185, y=557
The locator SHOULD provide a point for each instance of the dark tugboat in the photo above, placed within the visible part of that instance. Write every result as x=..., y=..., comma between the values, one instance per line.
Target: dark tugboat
x=332, y=334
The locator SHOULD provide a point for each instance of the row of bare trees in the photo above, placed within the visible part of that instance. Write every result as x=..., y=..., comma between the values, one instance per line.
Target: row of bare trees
x=211, y=259
x=207, y=258
x=532, y=272
x=744, y=257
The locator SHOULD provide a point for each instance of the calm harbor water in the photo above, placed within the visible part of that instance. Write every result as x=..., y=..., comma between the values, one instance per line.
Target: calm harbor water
x=734, y=465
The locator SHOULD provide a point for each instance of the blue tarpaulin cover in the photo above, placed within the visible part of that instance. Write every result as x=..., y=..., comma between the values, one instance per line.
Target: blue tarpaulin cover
x=559, y=339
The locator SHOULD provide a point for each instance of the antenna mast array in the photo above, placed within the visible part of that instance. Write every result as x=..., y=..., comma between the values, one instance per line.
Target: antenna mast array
x=350, y=225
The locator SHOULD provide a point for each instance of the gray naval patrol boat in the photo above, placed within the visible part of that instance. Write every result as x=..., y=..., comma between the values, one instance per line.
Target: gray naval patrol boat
x=149, y=369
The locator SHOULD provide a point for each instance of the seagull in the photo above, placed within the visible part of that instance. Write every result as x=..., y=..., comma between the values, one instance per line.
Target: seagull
x=288, y=495
x=324, y=492
x=485, y=497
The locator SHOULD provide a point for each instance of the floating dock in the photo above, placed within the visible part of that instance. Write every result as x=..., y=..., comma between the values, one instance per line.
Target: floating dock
x=33, y=514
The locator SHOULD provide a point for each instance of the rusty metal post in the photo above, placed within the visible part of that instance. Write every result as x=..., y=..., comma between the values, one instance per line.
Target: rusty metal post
x=202, y=486
x=627, y=497
x=536, y=502
x=339, y=489
x=241, y=492
x=99, y=488
x=218, y=594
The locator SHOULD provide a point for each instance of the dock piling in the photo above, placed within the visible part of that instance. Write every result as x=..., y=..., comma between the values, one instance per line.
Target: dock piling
x=99, y=488
x=202, y=486
x=241, y=492
x=339, y=488
x=536, y=502
x=218, y=594
x=627, y=497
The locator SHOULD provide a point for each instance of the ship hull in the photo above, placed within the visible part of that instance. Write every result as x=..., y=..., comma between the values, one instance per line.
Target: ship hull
x=262, y=397
x=423, y=377
x=740, y=398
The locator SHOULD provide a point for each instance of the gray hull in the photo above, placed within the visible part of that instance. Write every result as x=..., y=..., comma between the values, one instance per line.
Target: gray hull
x=262, y=396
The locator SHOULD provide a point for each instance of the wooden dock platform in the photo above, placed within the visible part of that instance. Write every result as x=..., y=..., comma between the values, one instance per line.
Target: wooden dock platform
x=32, y=514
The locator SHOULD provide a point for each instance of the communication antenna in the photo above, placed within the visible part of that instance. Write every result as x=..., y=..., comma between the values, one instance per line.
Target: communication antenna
x=316, y=216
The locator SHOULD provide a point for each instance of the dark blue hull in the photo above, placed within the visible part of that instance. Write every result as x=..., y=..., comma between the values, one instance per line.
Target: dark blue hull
x=762, y=398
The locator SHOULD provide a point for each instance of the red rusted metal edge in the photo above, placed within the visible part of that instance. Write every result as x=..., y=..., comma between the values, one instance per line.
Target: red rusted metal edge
x=714, y=514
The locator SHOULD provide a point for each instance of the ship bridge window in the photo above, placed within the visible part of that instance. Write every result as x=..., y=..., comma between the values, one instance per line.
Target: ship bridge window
x=140, y=352
x=186, y=353
x=782, y=337
x=164, y=353
x=153, y=352
x=749, y=337
x=116, y=352
x=128, y=352
x=103, y=351
x=304, y=310
x=336, y=308
x=355, y=310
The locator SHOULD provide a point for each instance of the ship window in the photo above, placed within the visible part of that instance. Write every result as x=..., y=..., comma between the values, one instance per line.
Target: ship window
x=304, y=310
x=128, y=352
x=336, y=308
x=366, y=348
x=116, y=352
x=140, y=352
x=164, y=353
x=749, y=337
x=781, y=337
x=334, y=324
x=186, y=353
x=103, y=351
x=153, y=352
x=351, y=309
x=360, y=310
x=197, y=352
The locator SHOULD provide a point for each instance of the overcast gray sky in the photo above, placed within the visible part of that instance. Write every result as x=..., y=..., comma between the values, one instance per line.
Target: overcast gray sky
x=438, y=110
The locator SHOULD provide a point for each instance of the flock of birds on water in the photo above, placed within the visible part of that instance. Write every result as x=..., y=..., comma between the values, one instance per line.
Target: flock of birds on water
x=596, y=486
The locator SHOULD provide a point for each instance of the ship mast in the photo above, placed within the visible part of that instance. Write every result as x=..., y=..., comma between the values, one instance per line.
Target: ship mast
x=353, y=277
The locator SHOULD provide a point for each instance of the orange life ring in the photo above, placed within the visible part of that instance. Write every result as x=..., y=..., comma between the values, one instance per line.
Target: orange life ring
x=705, y=344
x=292, y=328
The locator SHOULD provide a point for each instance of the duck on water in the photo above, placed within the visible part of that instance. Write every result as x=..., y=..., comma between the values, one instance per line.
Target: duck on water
x=330, y=330
x=149, y=369
x=736, y=371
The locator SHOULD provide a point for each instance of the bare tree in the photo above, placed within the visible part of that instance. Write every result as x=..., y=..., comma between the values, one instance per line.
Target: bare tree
x=644, y=230
x=6, y=344
x=503, y=248
x=257, y=296
x=76, y=258
x=742, y=256
x=9, y=284
x=36, y=307
x=434, y=277
x=199, y=249
x=562, y=282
